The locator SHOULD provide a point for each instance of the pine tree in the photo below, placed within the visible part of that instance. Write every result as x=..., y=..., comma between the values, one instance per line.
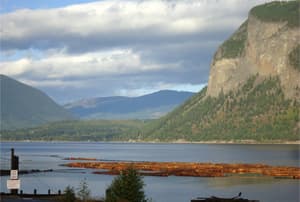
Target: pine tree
x=128, y=186
x=83, y=191
x=69, y=195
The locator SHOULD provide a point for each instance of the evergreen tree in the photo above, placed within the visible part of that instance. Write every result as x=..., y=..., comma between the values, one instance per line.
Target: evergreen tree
x=128, y=186
x=69, y=195
x=83, y=191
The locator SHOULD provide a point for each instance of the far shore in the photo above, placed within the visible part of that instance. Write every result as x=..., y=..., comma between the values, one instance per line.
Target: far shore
x=245, y=142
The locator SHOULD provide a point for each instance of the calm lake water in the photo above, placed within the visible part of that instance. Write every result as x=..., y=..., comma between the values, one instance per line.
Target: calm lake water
x=48, y=155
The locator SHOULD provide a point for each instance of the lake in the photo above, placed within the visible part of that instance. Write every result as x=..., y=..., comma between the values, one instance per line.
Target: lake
x=49, y=155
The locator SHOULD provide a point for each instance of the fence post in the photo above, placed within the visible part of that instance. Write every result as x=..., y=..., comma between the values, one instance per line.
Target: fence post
x=14, y=165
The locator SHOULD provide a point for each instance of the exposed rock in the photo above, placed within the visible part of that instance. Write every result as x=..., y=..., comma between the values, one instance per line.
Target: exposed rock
x=253, y=91
x=265, y=51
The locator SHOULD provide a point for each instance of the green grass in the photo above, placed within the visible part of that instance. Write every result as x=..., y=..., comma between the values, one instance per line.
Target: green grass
x=294, y=57
x=278, y=11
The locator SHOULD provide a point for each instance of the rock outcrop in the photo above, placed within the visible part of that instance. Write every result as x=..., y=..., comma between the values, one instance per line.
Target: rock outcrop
x=259, y=47
x=253, y=91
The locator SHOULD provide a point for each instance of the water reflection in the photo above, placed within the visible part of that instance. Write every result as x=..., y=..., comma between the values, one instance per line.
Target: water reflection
x=241, y=180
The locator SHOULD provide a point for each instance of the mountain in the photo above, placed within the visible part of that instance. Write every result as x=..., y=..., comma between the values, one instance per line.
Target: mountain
x=253, y=91
x=266, y=44
x=144, y=107
x=24, y=106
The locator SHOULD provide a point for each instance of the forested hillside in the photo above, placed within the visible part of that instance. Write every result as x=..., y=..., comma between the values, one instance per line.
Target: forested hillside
x=89, y=130
x=253, y=91
x=257, y=111
x=24, y=106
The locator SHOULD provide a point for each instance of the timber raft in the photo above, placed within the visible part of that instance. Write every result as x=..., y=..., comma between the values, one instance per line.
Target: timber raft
x=190, y=169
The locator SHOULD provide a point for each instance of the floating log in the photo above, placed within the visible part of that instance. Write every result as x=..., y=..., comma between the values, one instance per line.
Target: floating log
x=190, y=169
x=21, y=172
x=80, y=159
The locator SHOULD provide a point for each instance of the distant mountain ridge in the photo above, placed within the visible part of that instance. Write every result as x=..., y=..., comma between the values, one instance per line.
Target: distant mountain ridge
x=22, y=106
x=148, y=106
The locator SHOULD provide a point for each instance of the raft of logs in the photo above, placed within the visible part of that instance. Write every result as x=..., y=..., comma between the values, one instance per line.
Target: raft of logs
x=190, y=169
x=22, y=172
x=79, y=159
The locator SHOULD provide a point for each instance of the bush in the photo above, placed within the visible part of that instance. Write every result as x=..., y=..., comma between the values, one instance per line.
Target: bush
x=69, y=195
x=83, y=191
x=127, y=187
x=294, y=57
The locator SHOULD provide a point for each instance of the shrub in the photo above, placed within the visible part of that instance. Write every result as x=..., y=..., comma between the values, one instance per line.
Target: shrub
x=128, y=186
x=69, y=195
x=83, y=191
x=294, y=57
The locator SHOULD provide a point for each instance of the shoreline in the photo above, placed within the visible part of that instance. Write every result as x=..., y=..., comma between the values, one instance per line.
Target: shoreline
x=233, y=142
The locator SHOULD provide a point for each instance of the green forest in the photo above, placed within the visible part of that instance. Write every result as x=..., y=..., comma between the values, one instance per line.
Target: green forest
x=257, y=111
x=84, y=130
x=284, y=11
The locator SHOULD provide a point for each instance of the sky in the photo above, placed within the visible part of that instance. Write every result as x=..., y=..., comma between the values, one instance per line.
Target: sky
x=75, y=49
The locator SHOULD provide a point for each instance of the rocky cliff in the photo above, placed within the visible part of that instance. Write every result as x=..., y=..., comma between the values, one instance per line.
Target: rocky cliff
x=262, y=45
x=253, y=91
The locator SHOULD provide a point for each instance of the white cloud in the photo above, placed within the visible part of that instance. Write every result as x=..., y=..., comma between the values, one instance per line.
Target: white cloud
x=121, y=20
x=56, y=83
x=14, y=68
x=115, y=62
x=117, y=46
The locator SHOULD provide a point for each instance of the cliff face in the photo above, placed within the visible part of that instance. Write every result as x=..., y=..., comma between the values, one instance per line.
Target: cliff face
x=254, y=85
x=258, y=47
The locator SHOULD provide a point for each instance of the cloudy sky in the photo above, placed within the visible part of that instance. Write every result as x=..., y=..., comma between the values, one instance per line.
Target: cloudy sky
x=73, y=49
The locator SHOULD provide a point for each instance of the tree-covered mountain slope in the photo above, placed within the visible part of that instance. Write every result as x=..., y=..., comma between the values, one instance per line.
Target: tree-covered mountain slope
x=257, y=111
x=79, y=130
x=253, y=91
x=24, y=106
